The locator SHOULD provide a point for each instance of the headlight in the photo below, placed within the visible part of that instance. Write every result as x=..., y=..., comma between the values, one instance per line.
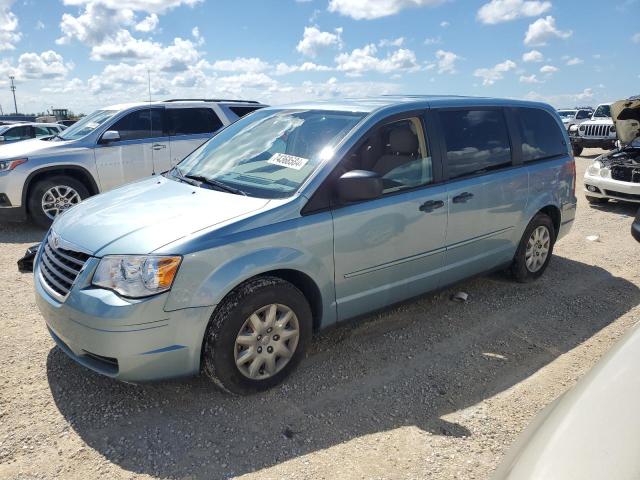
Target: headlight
x=612, y=128
x=573, y=128
x=594, y=169
x=8, y=165
x=136, y=276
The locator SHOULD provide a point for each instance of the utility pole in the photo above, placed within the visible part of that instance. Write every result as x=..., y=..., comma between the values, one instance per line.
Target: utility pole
x=13, y=89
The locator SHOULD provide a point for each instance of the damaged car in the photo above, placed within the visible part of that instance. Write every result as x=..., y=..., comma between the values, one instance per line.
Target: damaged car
x=616, y=174
x=597, y=132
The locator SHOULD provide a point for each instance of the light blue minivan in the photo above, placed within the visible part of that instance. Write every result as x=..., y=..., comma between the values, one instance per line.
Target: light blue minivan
x=295, y=218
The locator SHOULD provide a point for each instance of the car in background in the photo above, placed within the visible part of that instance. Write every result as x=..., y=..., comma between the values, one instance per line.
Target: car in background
x=26, y=131
x=616, y=174
x=574, y=116
x=596, y=132
x=66, y=123
x=110, y=147
x=295, y=218
x=592, y=432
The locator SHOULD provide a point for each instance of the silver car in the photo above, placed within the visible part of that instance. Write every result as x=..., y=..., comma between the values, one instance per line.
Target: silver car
x=26, y=131
x=108, y=148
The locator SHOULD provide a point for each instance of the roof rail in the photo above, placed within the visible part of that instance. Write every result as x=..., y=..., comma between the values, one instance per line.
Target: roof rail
x=207, y=100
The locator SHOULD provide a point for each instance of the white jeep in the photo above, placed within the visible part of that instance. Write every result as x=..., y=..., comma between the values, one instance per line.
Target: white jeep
x=597, y=132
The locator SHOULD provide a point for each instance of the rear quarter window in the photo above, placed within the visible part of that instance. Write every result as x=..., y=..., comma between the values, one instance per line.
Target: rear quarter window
x=541, y=136
x=242, y=111
x=192, y=121
x=476, y=141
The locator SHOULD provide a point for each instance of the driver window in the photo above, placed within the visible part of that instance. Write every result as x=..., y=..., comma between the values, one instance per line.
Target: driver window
x=139, y=125
x=398, y=152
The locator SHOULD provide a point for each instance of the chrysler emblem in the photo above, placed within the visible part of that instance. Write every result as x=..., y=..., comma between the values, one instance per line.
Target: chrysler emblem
x=55, y=240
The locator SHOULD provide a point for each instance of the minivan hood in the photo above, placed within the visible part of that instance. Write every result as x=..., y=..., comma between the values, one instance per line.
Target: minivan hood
x=27, y=148
x=141, y=217
x=626, y=116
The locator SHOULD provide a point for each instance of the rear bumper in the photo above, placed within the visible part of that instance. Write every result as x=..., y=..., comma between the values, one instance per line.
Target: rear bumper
x=126, y=340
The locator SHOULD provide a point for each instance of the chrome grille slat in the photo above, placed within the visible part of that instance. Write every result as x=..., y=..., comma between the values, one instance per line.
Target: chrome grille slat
x=51, y=257
x=60, y=267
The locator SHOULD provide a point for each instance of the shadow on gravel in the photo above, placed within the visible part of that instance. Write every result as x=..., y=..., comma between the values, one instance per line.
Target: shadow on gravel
x=20, y=233
x=621, y=208
x=409, y=366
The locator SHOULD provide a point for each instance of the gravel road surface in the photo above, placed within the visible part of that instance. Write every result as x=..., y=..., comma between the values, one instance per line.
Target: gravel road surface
x=431, y=389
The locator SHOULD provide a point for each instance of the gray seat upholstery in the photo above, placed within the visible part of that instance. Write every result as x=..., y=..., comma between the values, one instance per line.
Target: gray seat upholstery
x=403, y=148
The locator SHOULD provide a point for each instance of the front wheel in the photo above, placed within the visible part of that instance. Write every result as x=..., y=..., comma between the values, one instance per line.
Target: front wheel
x=48, y=198
x=257, y=336
x=535, y=249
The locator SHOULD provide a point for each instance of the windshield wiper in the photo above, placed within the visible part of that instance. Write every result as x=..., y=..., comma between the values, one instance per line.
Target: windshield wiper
x=215, y=183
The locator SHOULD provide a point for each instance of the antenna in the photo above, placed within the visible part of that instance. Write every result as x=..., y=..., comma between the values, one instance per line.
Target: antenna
x=13, y=89
x=153, y=163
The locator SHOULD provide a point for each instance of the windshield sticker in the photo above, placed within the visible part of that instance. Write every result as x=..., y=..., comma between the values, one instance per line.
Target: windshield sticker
x=92, y=124
x=288, y=161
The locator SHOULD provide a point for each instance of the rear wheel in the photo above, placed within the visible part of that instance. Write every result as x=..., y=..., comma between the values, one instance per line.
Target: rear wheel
x=257, y=336
x=48, y=198
x=577, y=150
x=535, y=249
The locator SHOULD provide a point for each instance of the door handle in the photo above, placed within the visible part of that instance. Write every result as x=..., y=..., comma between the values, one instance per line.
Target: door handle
x=158, y=146
x=463, y=197
x=431, y=205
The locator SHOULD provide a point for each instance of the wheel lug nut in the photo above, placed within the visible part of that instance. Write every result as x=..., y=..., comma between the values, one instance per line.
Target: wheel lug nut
x=276, y=337
x=259, y=349
x=259, y=337
x=270, y=349
x=269, y=330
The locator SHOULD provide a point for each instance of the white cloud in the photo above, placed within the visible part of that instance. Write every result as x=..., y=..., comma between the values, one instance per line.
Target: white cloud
x=364, y=59
x=45, y=65
x=314, y=40
x=492, y=75
x=445, y=24
x=240, y=64
x=9, y=34
x=94, y=25
x=636, y=38
x=446, y=61
x=386, y=42
x=150, y=6
x=370, y=9
x=529, y=79
x=433, y=40
x=587, y=95
x=284, y=69
x=543, y=30
x=548, y=69
x=498, y=11
x=574, y=61
x=148, y=24
x=532, y=56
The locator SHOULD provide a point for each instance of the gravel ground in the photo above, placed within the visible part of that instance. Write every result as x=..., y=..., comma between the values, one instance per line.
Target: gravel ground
x=432, y=389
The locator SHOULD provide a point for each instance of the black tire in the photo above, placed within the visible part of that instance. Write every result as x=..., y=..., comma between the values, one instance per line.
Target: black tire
x=596, y=200
x=218, y=355
x=38, y=190
x=577, y=150
x=519, y=268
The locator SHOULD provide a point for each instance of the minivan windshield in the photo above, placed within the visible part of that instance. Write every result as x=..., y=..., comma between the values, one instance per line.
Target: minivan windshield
x=269, y=153
x=88, y=124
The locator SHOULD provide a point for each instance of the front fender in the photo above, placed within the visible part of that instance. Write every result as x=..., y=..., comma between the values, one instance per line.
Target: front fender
x=217, y=281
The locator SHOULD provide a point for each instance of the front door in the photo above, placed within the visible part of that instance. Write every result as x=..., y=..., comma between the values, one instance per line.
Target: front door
x=141, y=150
x=486, y=194
x=391, y=248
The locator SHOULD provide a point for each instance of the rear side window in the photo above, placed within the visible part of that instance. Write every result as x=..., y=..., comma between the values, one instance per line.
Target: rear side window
x=192, y=121
x=242, y=111
x=18, y=133
x=541, y=135
x=476, y=141
x=42, y=131
x=140, y=124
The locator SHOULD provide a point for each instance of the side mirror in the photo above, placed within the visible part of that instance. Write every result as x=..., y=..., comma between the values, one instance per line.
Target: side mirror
x=110, y=136
x=359, y=185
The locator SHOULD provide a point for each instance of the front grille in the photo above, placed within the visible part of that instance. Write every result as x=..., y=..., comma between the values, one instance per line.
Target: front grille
x=597, y=130
x=60, y=267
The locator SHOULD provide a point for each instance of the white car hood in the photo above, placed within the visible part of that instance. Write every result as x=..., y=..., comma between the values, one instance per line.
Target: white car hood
x=28, y=148
x=626, y=116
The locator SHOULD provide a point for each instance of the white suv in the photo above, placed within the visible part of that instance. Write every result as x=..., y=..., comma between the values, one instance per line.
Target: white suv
x=110, y=147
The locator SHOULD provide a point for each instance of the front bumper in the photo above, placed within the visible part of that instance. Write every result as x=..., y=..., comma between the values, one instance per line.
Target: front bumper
x=589, y=142
x=610, y=188
x=130, y=340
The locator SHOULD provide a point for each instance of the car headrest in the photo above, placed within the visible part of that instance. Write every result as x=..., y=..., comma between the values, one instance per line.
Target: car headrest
x=403, y=140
